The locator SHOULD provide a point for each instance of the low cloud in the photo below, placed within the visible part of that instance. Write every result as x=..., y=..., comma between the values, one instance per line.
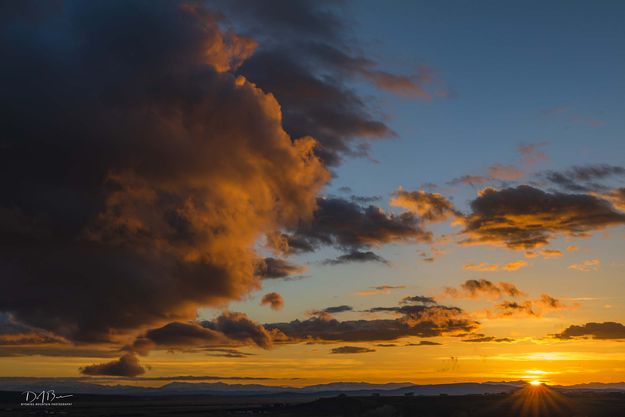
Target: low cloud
x=421, y=320
x=480, y=338
x=227, y=353
x=228, y=329
x=338, y=309
x=606, y=330
x=418, y=299
x=356, y=256
x=424, y=343
x=351, y=349
x=274, y=300
x=126, y=366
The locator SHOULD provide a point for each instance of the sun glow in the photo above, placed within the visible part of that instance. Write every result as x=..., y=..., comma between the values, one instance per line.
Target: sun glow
x=535, y=383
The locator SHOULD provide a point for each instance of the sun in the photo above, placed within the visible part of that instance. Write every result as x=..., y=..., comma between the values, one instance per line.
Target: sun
x=536, y=383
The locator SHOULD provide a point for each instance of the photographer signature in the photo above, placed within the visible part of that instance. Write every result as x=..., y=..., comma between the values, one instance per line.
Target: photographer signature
x=43, y=397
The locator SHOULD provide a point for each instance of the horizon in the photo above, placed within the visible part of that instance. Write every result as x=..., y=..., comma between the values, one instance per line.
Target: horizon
x=301, y=192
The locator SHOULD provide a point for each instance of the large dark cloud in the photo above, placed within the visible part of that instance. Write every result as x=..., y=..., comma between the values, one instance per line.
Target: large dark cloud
x=308, y=59
x=137, y=170
x=525, y=217
x=606, y=330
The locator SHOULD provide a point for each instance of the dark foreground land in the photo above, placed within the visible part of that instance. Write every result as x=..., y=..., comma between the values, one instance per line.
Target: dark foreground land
x=523, y=403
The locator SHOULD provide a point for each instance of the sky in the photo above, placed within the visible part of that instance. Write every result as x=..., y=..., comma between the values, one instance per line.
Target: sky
x=300, y=192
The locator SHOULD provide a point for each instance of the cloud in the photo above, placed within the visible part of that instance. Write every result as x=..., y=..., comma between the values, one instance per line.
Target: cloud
x=606, y=330
x=431, y=207
x=127, y=366
x=529, y=156
x=583, y=178
x=617, y=197
x=356, y=256
x=273, y=268
x=486, y=267
x=571, y=116
x=470, y=180
x=505, y=172
x=417, y=320
x=308, y=57
x=13, y=333
x=351, y=349
x=424, y=343
x=349, y=226
x=586, y=266
x=274, y=300
x=178, y=336
x=534, y=308
x=473, y=288
x=481, y=267
x=480, y=338
x=550, y=253
x=125, y=204
x=228, y=329
x=227, y=353
x=419, y=299
x=238, y=327
x=514, y=265
x=525, y=217
x=379, y=290
x=338, y=309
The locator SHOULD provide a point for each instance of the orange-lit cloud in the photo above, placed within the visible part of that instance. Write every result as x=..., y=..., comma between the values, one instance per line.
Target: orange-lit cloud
x=483, y=288
x=431, y=207
x=525, y=217
x=170, y=170
x=486, y=267
x=586, y=266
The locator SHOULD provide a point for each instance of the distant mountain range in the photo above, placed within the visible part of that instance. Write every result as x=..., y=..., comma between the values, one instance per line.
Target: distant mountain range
x=80, y=386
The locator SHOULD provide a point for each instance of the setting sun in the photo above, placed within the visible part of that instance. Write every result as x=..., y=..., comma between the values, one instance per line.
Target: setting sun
x=536, y=383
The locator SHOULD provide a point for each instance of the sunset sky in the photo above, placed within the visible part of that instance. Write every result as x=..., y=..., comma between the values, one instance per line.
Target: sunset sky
x=300, y=192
